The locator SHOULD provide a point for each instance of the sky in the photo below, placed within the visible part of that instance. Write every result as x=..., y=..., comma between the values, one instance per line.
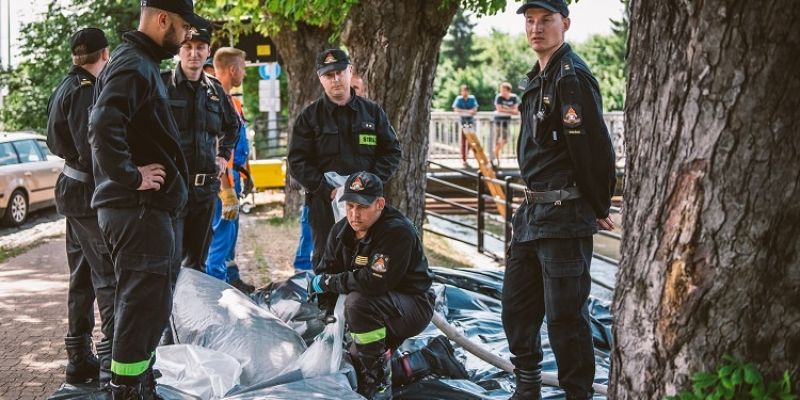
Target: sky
x=588, y=17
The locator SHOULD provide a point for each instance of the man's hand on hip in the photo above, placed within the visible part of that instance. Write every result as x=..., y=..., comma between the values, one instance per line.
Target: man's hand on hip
x=153, y=176
x=605, y=224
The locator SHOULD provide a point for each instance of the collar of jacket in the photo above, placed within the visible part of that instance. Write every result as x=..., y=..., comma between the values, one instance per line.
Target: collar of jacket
x=330, y=106
x=151, y=48
x=179, y=77
x=348, y=232
x=78, y=70
x=552, y=64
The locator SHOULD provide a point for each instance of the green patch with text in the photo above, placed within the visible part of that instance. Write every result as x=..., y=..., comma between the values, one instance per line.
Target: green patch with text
x=367, y=139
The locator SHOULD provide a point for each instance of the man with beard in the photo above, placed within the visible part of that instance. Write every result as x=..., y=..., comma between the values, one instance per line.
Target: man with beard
x=141, y=185
x=205, y=117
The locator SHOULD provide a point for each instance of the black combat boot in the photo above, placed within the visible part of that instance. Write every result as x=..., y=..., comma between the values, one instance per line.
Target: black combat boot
x=579, y=396
x=82, y=366
x=126, y=392
x=375, y=375
x=149, y=384
x=437, y=358
x=529, y=384
x=104, y=356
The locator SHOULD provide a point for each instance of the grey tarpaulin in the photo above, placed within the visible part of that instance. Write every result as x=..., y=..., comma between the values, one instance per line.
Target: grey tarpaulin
x=210, y=313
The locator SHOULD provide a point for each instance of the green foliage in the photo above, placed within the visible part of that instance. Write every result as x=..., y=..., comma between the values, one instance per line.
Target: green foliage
x=458, y=44
x=46, y=58
x=736, y=380
x=498, y=58
x=605, y=55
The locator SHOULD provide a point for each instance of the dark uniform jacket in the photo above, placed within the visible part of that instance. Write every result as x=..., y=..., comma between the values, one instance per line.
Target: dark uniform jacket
x=345, y=139
x=131, y=125
x=389, y=258
x=67, y=126
x=567, y=145
x=204, y=114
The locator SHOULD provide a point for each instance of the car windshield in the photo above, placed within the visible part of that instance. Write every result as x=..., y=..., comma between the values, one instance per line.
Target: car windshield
x=28, y=151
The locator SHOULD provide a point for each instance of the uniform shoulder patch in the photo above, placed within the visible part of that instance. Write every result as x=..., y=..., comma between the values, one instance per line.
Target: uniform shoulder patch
x=572, y=118
x=380, y=263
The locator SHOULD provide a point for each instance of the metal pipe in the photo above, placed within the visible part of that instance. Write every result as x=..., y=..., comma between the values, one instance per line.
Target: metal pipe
x=452, y=186
x=450, y=202
x=442, y=217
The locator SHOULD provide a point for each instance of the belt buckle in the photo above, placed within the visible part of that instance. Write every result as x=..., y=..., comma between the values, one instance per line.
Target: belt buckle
x=529, y=196
x=200, y=179
x=558, y=202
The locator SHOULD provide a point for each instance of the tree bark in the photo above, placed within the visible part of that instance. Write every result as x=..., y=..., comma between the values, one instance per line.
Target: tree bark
x=298, y=49
x=711, y=255
x=395, y=46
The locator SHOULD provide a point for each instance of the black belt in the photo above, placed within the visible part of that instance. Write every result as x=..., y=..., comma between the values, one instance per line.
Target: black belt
x=202, y=179
x=552, y=196
x=77, y=175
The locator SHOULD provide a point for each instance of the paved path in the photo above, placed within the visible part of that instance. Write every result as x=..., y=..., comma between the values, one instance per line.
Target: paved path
x=33, y=322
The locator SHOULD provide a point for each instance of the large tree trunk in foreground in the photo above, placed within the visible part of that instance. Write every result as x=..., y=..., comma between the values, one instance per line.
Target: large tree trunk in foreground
x=298, y=48
x=395, y=46
x=711, y=255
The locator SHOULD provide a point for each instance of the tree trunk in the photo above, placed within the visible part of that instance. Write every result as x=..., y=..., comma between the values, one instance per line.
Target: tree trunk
x=711, y=255
x=395, y=46
x=298, y=49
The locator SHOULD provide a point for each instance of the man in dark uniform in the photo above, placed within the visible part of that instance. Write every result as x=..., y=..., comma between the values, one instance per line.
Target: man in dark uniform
x=141, y=185
x=91, y=271
x=340, y=132
x=205, y=118
x=567, y=162
x=375, y=256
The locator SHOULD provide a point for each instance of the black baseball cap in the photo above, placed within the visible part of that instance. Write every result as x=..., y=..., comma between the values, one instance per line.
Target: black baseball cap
x=202, y=35
x=556, y=6
x=330, y=60
x=184, y=8
x=92, y=39
x=362, y=188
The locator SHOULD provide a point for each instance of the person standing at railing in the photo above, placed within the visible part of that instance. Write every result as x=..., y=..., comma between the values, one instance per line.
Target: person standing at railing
x=506, y=104
x=567, y=162
x=466, y=105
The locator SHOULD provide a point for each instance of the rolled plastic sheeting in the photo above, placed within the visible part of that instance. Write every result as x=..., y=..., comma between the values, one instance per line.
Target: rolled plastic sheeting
x=210, y=313
x=326, y=387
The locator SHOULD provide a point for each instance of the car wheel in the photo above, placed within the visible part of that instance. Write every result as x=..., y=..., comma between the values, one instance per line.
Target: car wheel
x=17, y=210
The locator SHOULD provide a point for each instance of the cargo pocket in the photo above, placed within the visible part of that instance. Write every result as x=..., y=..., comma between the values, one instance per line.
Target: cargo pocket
x=149, y=263
x=213, y=118
x=563, y=288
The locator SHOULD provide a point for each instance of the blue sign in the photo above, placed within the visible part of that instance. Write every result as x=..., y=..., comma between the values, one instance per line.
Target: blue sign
x=269, y=71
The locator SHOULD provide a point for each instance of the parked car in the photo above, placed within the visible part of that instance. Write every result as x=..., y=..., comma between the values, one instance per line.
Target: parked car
x=28, y=174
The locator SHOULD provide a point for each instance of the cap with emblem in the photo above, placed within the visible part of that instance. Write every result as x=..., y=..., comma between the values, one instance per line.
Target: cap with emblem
x=184, y=8
x=362, y=188
x=202, y=35
x=330, y=60
x=556, y=6
x=92, y=39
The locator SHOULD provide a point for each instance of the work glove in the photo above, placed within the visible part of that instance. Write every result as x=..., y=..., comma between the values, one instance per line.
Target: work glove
x=230, y=204
x=317, y=286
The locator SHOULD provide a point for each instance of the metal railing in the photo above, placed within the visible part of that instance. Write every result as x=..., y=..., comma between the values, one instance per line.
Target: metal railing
x=483, y=212
x=444, y=134
x=271, y=138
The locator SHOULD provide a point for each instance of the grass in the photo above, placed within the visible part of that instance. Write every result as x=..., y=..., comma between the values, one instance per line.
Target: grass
x=8, y=253
x=441, y=254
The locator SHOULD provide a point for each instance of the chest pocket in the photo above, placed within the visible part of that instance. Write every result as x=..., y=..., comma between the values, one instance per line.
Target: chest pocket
x=327, y=142
x=180, y=110
x=366, y=137
x=213, y=118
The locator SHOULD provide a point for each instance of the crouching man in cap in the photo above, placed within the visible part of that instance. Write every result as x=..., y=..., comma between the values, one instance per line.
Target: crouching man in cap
x=375, y=256
x=141, y=185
